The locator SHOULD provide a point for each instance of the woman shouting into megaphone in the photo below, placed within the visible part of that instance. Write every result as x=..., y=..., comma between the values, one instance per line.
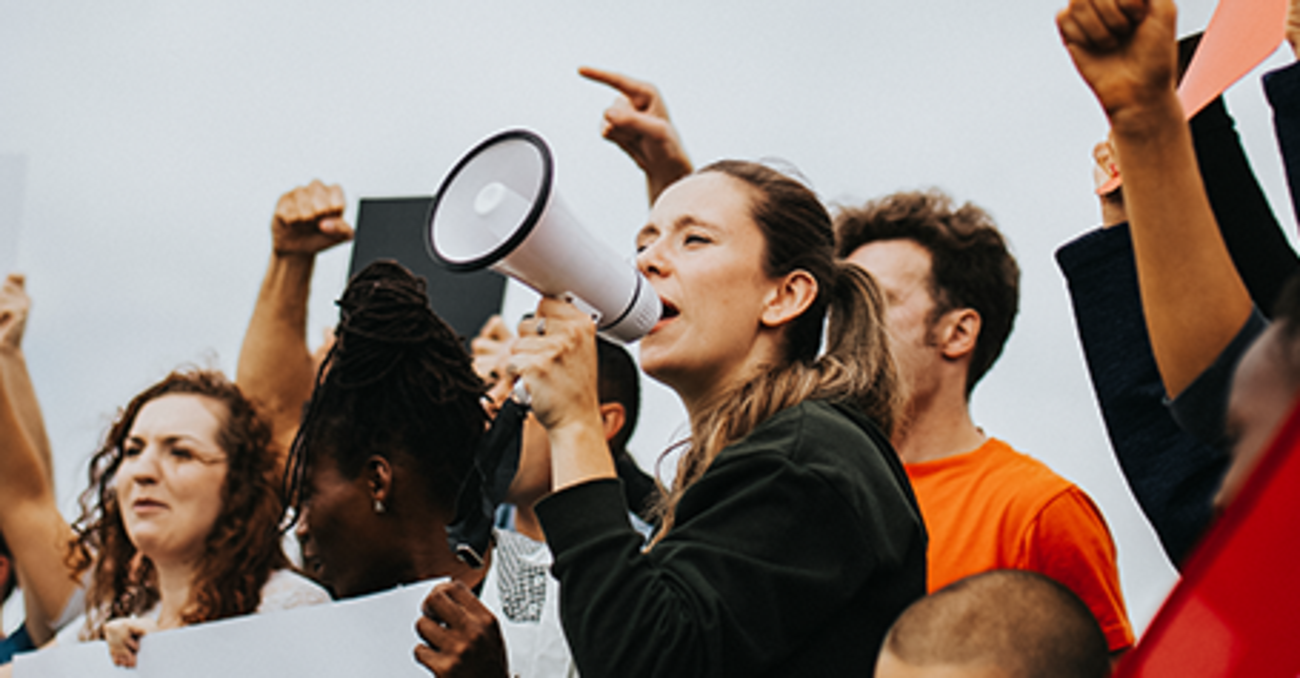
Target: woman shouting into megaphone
x=790, y=537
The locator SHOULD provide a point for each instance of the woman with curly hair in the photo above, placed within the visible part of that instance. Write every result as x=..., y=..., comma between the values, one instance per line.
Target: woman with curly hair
x=180, y=523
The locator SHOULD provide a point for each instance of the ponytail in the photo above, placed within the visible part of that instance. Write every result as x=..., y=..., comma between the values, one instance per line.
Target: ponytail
x=856, y=366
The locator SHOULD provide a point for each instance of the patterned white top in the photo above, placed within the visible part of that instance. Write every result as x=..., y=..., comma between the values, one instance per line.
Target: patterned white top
x=283, y=590
x=521, y=592
x=286, y=589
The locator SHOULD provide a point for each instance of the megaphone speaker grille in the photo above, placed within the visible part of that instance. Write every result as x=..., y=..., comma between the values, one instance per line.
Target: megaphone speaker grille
x=490, y=201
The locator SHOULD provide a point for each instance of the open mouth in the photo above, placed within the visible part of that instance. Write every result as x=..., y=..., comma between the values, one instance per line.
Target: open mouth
x=669, y=312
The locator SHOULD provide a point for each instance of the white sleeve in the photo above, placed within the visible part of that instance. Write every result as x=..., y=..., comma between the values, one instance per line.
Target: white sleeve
x=287, y=589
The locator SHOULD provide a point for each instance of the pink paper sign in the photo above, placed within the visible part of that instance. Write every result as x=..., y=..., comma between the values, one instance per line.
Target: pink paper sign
x=1241, y=34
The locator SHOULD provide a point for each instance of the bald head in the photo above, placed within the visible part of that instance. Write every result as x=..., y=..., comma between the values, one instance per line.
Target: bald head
x=1005, y=624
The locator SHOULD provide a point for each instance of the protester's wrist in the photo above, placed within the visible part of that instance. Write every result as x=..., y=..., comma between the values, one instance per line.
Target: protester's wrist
x=667, y=173
x=579, y=452
x=293, y=255
x=1146, y=115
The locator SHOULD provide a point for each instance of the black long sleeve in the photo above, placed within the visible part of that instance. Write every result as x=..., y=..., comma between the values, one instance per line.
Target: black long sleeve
x=1172, y=475
x=1259, y=249
x=792, y=555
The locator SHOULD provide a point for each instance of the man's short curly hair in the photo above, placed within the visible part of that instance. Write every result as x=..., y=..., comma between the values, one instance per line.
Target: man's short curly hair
x=971, y=264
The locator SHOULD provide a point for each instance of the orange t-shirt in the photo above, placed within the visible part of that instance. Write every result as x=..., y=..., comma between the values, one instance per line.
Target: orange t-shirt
x=995, y=508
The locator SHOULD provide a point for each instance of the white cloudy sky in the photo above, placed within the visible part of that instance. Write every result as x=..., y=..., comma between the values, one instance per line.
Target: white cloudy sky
x=154, y=137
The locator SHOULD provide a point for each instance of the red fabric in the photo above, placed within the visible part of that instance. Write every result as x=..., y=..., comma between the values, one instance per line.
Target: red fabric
x=995, y=508
x=1236, y=611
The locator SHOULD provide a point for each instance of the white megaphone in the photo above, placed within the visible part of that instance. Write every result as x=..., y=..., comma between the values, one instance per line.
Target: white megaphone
x=498, y=208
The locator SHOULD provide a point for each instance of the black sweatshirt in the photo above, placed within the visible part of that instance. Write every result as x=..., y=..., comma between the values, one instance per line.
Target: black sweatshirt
x=791, y=555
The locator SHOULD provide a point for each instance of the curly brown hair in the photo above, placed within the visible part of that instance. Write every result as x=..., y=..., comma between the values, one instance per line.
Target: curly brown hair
x=240, y=552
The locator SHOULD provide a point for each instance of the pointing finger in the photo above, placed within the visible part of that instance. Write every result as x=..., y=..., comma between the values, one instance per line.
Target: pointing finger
x=640, y=94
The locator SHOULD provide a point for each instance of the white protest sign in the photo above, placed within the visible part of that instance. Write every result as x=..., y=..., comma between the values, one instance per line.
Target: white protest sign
x=369, y=636
x=88, y=660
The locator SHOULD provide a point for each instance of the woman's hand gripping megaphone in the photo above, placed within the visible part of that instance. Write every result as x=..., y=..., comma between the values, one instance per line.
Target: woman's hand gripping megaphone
x=555, y=359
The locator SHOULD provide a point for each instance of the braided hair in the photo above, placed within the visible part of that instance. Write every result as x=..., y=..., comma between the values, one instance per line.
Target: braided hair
x=397, y=383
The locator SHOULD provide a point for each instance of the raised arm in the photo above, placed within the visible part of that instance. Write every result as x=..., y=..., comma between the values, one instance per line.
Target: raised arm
x=14, y=305
x=275, y=367
x=1194, y=301
x=638, y=122
x=38, y=535
x=1173, y=473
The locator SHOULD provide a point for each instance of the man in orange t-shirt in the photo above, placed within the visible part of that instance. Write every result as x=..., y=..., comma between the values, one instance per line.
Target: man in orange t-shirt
x=951, y=289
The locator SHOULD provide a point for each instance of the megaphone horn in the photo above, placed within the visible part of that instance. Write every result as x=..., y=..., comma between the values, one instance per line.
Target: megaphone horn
x=497, y=208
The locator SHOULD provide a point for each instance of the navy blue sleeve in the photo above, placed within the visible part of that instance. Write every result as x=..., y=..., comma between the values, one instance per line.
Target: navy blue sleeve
x=1202, y=408
x=1172, y=475
x=1260, y=252
x=1283, y=90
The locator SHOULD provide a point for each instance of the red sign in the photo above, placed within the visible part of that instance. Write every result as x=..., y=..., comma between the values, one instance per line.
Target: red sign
x=1236, y=611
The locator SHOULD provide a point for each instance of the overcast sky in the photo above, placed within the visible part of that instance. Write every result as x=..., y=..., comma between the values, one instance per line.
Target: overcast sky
x=143, y=145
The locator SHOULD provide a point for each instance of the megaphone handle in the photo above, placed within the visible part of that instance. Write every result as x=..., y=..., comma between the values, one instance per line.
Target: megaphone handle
x=583, y=306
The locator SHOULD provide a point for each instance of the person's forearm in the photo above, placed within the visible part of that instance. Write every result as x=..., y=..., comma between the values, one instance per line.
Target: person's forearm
x=36, y=532
x=18, y=383
x=39, y=540
x=659, y=180
x=1194, y=301
x=23, y=474
x=579, y=454
x=275, y=367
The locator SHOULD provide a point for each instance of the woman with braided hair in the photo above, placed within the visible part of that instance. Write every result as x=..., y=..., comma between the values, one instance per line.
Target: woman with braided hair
x=790, y=538
x=389, y=437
